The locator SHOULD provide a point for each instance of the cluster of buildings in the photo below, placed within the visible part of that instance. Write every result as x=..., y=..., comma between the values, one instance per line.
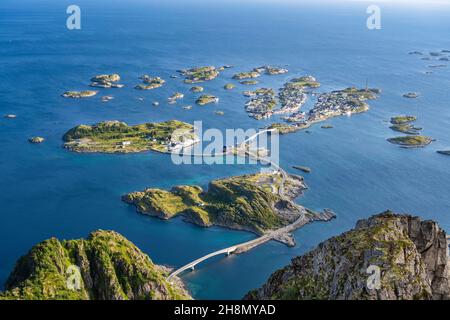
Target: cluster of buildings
x=334, y=104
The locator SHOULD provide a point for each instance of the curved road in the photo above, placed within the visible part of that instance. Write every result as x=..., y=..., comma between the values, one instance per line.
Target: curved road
x=243, y=247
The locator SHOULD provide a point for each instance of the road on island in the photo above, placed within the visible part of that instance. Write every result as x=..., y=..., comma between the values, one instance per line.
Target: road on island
x=246, y=246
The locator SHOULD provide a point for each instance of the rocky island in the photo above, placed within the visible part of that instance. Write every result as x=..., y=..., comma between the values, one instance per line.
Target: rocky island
x=106, y=81
x=336, y=103
x=36, y=140
x=414, y=141
x=118, y=137
x=110, y=266
x=206, y=99
x=199, y=74
x=150, y=83
x=197, y=89
x=412, y=256
x=403, y=124
x=261, y=104
x=258, y=203
x=79, y=94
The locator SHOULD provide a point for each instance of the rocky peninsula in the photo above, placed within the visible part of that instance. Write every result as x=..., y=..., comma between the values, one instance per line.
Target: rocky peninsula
x=118, y=137
x=411, y=254
x=110, y=266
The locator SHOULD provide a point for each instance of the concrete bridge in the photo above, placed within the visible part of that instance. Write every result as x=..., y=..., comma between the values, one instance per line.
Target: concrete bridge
x=246, y=246
x=227, y=251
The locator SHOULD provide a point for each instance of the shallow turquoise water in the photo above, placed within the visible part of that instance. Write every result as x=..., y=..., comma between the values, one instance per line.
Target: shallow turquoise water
x=46, y=191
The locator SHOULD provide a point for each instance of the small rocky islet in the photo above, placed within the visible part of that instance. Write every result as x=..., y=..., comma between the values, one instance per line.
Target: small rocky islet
x=444, y=152
x=200, y=74
x=403, y=124
x=110, y=266
x=206, y=99
x=411, y=141
x=150, y=83
x=106, y=81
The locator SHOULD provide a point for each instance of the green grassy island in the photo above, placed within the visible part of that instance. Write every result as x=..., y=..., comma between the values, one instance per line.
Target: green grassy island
x=248, y=202
x=403, y=119
x=150, y=83
x=110, y=266
x=199, y=74
x=118, y=137
x=206, y=99
x=415, y=141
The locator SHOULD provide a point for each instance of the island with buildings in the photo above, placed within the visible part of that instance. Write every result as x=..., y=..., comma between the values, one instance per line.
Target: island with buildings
x=119, y=137
x=336, y=103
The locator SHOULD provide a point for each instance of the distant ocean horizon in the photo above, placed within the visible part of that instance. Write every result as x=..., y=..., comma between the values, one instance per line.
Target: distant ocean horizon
x=47, y=191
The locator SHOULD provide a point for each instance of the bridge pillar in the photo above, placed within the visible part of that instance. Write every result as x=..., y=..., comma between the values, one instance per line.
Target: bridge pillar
x=192, y=268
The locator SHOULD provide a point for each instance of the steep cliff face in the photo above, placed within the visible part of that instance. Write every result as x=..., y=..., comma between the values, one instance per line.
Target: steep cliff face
x=411, y=255
x=110, y=266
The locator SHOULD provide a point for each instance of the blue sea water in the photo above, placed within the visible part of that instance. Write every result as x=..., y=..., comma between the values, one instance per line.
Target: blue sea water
x=47, y=191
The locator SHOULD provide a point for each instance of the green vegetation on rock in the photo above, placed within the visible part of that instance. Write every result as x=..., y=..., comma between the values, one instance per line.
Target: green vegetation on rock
x=444, y=152
x=411, y=141
x=411, y=255
x=249, y=202
x=150, y=83
x=118, y=137
x=402, y=119
x=246, y=75
x=206, y=99
x=111, y=268
x=79, y=94
x=199, y=74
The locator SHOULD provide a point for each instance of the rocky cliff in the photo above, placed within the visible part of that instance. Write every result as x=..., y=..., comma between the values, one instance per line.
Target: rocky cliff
x=106, y=266
x=411, y=256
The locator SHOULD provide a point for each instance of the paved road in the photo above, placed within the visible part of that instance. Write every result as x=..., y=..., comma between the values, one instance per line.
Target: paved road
x=246, y=246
